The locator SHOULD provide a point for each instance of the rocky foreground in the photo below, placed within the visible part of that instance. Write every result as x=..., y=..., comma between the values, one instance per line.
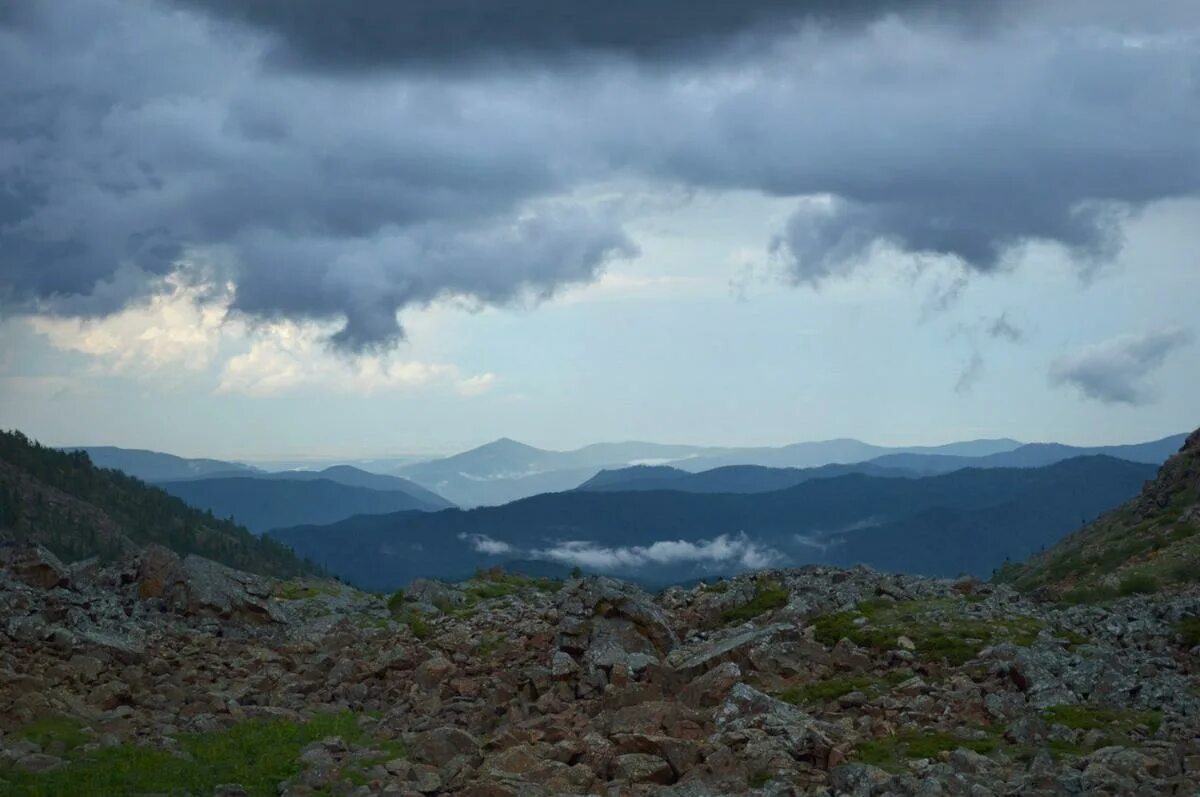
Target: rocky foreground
x=161, y=675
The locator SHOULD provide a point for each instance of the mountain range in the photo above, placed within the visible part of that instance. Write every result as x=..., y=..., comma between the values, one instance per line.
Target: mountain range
x=970, y=520
x=1032, y=455
x=506, y=470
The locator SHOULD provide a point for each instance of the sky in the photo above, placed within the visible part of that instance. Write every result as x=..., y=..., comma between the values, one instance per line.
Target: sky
x=288, y=229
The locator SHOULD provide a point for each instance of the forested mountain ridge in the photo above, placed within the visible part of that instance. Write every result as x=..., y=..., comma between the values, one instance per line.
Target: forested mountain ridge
x=61, y=500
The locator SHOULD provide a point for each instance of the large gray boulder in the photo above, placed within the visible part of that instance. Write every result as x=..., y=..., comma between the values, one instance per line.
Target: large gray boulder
x=606, y=613
x=200, y=587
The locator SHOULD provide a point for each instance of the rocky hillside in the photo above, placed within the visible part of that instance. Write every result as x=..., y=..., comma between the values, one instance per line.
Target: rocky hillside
x=1150, y=543
x=62, y=501
x=159, y=675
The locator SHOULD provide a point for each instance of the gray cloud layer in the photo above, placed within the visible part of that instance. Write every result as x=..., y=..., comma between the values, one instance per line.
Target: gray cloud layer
x=1115, y=371
x=384, y=33
x=134, y=135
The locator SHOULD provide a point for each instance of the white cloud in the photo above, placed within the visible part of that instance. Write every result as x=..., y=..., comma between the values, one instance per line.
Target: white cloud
x=179, y=326
x=187, y=325
x=476, y=385
x=482, y=543
x=723, y=549
x=286, y=356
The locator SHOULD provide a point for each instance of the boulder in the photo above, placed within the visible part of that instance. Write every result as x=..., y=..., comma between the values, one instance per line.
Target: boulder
x=804, y=737
x=642, y=768
x=155, y=567
x=35, y=566
x=599, y=610
x=698, y=657
x=200, y=587
x=441, y=745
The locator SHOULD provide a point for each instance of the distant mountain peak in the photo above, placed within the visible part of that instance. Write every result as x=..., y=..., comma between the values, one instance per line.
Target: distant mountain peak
x=506, y=444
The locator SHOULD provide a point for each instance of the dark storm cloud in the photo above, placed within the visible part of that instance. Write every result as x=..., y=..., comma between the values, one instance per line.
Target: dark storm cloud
x=135, y=136
x=1116, y=371
x=381, y=33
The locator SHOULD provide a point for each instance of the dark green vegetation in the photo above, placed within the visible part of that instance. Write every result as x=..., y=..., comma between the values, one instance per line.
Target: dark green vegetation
x=258, y=754
x=970, y=520
x=940, y=630
x=1150, y=543
x=768, y=596
x=61, y=500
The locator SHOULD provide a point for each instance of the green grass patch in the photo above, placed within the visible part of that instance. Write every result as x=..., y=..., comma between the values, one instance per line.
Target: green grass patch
x=1118, y=724
x=55, y=735
x=258, y=754
x=828, y=689
x=892, y=752
x=496, y=582
x=768, y=596
x=940, y=629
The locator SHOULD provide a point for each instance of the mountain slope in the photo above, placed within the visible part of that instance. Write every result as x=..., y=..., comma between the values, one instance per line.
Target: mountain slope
x=262, y=504
x=727, y=479
x=61, y=500
x=152, y=466
x=669, y=535
x=1151, y=541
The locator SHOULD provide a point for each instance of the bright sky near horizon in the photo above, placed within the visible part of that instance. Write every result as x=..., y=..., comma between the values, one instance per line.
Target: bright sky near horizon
x=227, y=232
